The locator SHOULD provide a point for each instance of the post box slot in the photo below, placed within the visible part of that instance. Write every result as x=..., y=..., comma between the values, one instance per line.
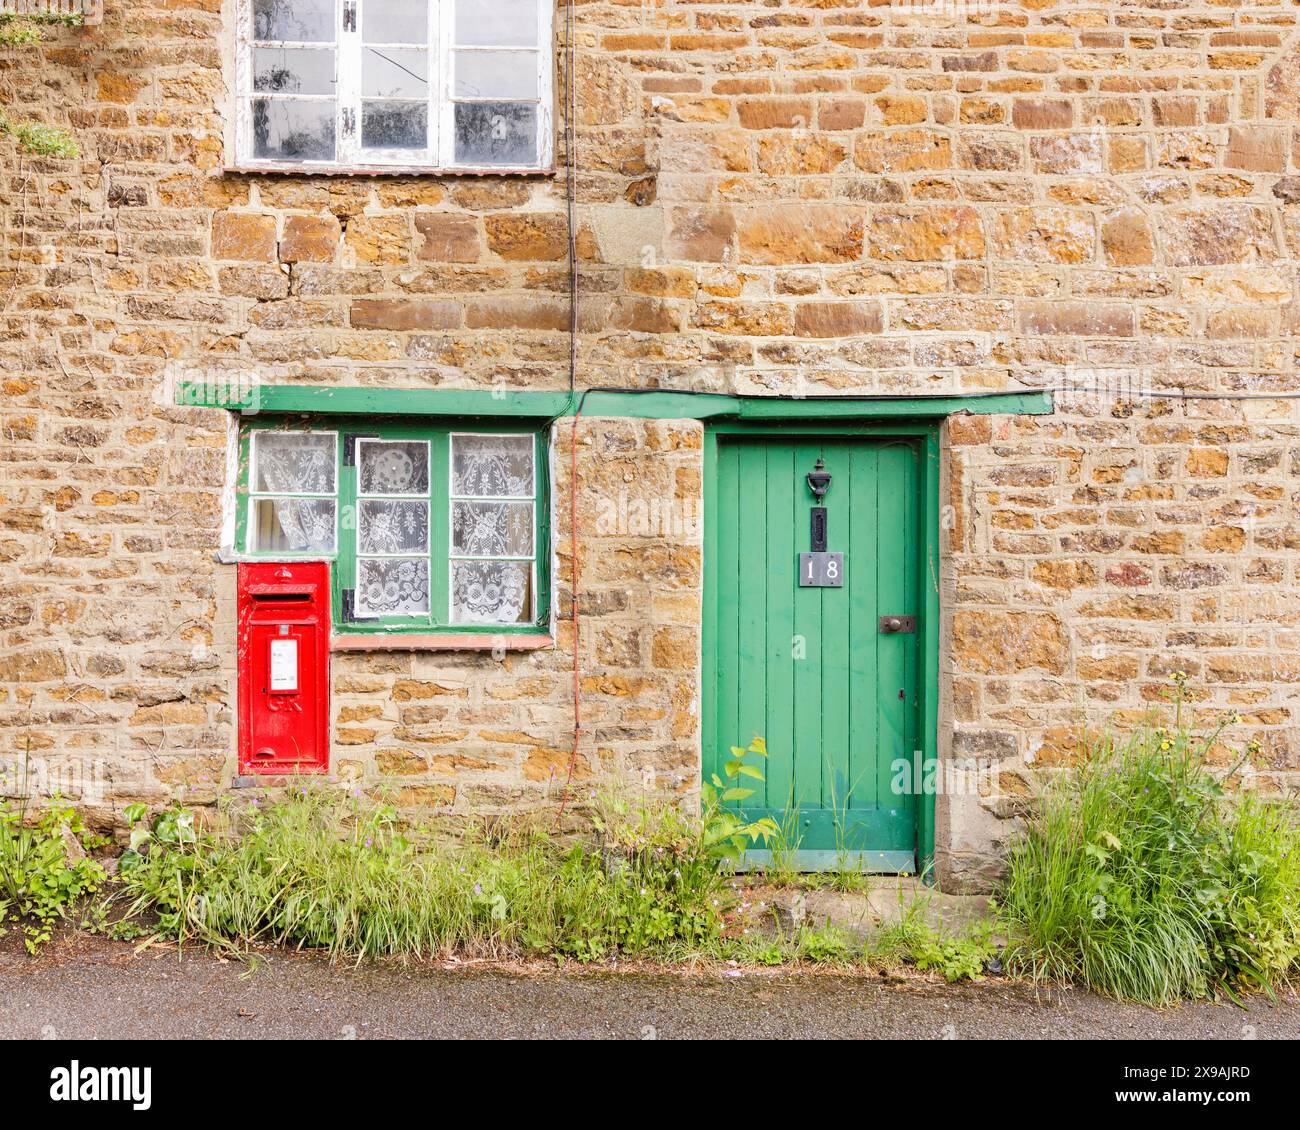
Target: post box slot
x=279, y=596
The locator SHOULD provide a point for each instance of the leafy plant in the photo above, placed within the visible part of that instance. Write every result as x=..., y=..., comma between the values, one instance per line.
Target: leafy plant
x=1140, y=877
x=39, y=878
x=824, y=944
x=665, y=875
x=910, y=939
x=958, y=959
x=726, y=833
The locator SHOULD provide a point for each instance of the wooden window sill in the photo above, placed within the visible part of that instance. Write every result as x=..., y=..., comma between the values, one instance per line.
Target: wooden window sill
x=442, y=641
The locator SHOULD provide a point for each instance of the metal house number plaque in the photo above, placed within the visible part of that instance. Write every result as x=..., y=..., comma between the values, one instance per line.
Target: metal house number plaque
x=821, y=570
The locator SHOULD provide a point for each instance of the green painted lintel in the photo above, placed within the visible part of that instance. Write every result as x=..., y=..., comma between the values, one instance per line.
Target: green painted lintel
x=860, y=408
x=252, y=399
x=656, y=405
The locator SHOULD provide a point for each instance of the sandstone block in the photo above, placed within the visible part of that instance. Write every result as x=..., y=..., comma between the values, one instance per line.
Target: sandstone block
x=309, y=239
x=1002, y=643
x=1217, y=234
x=404, y=314
x=775, y=113
x=1042, y=113
x=528, y=237
x=379, y=239
x=837, y=319
x=902, y=151
x=779, y=234
x=1086, y=319
x=926, y=234
x=244, y=236
x=701, y=235
x=1126, y=239
x=447, y=238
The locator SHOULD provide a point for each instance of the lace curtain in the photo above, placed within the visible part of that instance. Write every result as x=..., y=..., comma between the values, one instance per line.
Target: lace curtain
x=391, y=580
x=296, y=463
x=486, y=472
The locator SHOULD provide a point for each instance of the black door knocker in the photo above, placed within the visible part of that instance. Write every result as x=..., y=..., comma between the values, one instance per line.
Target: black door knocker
x=819, y=482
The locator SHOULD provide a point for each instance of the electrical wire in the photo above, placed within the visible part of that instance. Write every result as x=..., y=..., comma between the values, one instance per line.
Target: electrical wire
x=832, y=398
x=571, y=161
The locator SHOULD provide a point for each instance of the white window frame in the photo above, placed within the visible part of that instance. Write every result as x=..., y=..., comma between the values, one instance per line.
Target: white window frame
x=255, y=496
x=349, y=156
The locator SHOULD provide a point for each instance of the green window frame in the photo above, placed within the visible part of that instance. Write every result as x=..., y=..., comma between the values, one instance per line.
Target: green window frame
x=391, y=469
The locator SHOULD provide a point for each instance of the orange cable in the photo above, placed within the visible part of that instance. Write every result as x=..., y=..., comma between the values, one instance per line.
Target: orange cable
x=573, y=553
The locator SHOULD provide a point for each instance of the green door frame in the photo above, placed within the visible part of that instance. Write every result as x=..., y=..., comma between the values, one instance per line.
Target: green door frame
x=926, y=433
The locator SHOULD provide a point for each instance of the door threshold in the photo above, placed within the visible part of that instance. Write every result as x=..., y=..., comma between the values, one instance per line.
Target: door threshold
x=866, y=862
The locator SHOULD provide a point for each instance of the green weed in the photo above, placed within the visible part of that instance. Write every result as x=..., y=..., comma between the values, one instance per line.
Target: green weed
x=1140, y=877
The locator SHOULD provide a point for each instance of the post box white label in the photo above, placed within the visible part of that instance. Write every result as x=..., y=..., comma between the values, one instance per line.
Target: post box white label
x=284, y=665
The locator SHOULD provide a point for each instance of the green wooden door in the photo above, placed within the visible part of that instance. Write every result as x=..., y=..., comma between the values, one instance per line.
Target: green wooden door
x=809, y=669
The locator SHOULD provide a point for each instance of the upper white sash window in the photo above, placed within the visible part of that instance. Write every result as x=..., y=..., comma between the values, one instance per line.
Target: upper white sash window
x=422, y=85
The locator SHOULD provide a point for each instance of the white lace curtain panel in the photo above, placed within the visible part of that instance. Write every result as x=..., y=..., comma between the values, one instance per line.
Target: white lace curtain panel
x=301, y=465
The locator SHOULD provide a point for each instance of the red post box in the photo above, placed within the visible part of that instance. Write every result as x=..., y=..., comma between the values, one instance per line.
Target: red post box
x=284, y=624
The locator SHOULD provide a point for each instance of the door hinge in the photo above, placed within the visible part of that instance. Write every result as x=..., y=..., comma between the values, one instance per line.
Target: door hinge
x=347, y=597
x=349, y=15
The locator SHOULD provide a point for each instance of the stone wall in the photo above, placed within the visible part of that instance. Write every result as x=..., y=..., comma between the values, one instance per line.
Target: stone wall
x=826, y=196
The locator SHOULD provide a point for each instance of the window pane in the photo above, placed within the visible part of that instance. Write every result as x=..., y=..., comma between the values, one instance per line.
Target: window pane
x=394, y=125
x=492, y=529
x=497, y=23
x=294, y=462
x=302, y=21
x=388, y=526
x=288, y=130
x=395, y=21
x=496, y=133
x=395, y=72
x=292, y=525
x=293, y=70
x=492, y=466
x=392, y=466
x=491, y=592
x=496, y=74
x=392, y=586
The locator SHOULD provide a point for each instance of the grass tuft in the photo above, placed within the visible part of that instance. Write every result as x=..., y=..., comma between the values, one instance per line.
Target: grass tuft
x=1140, y=877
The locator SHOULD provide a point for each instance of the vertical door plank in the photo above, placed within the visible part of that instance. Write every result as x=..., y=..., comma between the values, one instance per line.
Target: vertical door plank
x=782, y=545
x=752, y=539
x=864, y=616
x=727, y=726
x=808, y=761
x=892, y=567
x=835, y=640
x=912, y=549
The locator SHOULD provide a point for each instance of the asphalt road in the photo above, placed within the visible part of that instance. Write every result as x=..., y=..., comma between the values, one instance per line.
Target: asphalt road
x=85, y=988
